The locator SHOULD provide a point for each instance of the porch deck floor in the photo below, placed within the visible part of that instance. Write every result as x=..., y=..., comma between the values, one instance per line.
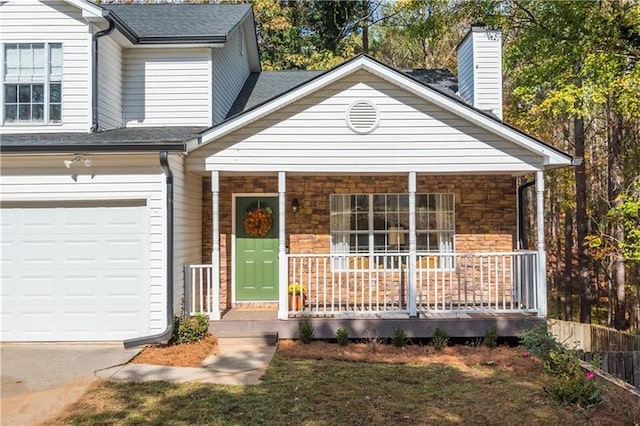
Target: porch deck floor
x=245, y=322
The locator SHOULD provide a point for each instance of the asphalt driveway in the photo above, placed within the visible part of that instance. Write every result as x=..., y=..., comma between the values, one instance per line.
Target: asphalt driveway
x=40, y=380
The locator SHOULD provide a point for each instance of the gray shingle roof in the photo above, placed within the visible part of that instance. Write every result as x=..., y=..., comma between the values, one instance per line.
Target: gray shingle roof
x=441, y=79
x=263, y=86
x=148, y=21
x=136, y=138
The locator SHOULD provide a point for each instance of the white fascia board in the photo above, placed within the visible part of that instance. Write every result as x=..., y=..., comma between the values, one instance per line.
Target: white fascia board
x=89, y=10
x=176, y=46
x=550, y=156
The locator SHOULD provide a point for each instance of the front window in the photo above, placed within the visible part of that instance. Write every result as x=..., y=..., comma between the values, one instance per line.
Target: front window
x=32, y=83
x=379, y=223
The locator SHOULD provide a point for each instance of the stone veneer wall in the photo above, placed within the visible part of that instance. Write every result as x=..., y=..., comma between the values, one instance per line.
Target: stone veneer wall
x=485, y=209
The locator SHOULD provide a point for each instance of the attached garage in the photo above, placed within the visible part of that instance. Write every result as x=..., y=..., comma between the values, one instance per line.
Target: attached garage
x=85, y=248
x=75, y=270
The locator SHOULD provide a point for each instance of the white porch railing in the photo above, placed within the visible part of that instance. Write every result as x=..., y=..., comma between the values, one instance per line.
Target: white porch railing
x=200, y=295
x=445, y=282
x=355, y=284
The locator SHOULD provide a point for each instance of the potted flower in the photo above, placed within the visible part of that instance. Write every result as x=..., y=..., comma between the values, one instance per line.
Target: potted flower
x=296, y=296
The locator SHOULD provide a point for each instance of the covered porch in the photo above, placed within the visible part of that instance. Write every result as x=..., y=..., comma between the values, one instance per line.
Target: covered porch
x=321, y=273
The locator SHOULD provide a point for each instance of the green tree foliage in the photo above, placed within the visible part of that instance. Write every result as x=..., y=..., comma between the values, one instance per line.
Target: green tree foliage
x=306, y=34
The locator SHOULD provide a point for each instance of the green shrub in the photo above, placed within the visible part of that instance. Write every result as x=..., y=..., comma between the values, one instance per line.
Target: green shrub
x=491, y=337
x=440, y=339
x=190, y=329
x=306, y=331
x=400, y=338
x=540, y=342
x=581, y=389
x=570, y=383
x=342, y=335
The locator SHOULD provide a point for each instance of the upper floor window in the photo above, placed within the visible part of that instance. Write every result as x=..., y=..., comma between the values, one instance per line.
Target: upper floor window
x=379, y=223
x=32, y=83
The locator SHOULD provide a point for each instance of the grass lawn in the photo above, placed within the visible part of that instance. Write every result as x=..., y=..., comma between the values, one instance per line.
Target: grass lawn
x=415, y=385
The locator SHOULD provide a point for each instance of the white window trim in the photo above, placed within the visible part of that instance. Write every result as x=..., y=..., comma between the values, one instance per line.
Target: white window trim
x=46, y=82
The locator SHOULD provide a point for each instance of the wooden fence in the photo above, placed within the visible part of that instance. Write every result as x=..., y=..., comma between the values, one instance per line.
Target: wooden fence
x=593, y=338
x=619, y=351
x=624, y=365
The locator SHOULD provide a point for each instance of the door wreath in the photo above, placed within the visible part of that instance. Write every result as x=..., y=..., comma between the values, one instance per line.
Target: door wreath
x=258, y=219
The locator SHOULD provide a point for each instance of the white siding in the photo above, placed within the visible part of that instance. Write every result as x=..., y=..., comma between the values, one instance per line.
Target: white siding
x=55, y=22
x=167, y=87
x=465, y=70
x=187, y=222
x=109, y=84
x=230, y=71
x=111, y=177
x=311, y=135
x=480, y=70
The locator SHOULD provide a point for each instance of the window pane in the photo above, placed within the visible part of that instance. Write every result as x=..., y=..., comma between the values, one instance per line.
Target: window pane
x=10, y=113
x=55, y=60
x=37, y=93
x=24, y=93
x=11, y=93
x=55, y=92
x=38, y=112
x=55, y=113
x=38, y=60
x=12, y=60
x=24, y=112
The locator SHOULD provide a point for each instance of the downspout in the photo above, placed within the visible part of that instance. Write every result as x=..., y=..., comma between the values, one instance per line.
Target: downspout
x=94, y=72
x=164, y=336
x=521, y=189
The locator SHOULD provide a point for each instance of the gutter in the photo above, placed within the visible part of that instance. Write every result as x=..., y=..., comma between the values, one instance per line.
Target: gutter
x=521, y=189
x=88, y=148
x=165, y=335
x=94, y=76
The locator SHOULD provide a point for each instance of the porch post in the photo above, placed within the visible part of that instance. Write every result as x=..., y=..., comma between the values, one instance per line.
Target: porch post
x=542, y=258
x=283, y=308
x=214, y=313
x=411, y=270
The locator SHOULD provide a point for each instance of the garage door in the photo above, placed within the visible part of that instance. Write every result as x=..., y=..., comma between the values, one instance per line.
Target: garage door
x=75, y=271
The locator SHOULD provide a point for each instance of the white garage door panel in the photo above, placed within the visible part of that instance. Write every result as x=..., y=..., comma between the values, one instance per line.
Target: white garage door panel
x=75, y=271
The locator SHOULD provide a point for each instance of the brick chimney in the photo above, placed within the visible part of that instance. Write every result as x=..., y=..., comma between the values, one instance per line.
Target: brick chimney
x=480, y=69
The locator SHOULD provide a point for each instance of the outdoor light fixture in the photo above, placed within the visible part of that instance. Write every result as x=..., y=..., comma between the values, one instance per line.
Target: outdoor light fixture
x=77, y=159
x=294, y=205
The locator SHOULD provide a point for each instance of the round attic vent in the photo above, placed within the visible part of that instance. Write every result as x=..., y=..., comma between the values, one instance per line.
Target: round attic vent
x=363, y=117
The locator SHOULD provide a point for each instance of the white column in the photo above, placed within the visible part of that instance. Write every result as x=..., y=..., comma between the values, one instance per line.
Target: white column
x=411, y=270
x=542, y=257
x=283, y=308
x=215, y=252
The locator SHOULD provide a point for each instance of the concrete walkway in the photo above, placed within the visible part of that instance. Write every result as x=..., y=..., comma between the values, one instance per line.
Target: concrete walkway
x=237, y=364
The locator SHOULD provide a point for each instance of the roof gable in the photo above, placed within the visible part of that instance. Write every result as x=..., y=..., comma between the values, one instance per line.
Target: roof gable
x=314, y=135
x=550, y=156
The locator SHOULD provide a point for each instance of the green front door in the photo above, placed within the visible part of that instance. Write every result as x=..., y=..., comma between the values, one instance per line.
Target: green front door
x=256, y=248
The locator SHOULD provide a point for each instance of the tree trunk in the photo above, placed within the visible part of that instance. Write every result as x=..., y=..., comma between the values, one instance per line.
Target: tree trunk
x=586, y=295
x=615, y=177
x=365, y=27
x=568, y=265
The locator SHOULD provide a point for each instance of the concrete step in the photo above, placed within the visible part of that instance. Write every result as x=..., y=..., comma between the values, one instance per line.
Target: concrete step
x=247, y=339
